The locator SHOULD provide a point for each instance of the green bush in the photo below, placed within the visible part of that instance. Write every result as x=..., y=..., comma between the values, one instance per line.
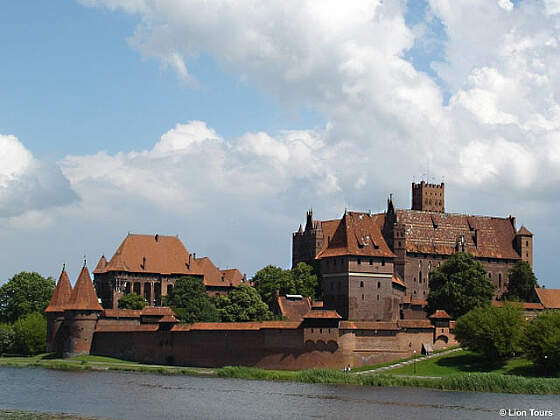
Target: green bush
x=190, y=301
x=30, y=334
x=243, y=304
x=7, y=338
x=132, y=301
x=542, y=341
x=494, y=332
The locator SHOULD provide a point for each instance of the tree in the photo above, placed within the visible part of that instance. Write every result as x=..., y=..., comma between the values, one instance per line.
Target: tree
x=270, y=280
x=494, y=332
x=305, y=281
x=23, y=294
x=190, y=301
x=30, y=334
x=243, y=304
x=7, y=338
x=132, y=301
x=522, y=281
x=459, y=285
x=541, y=342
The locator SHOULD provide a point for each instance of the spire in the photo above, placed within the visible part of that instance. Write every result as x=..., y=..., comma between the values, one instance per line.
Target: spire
x=100, y=267
x=309, y=221
x=61, y=294
x=84, y=296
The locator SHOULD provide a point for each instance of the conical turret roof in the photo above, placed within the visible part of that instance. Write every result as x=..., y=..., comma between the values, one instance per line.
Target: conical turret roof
x=84, y=296
x=100, y=268
x=61, y=295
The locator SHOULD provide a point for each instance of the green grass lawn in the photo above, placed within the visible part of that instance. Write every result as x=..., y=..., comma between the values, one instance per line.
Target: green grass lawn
x=467, y=362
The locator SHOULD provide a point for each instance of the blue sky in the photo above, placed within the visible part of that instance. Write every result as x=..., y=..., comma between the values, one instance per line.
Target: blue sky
x=224, y=122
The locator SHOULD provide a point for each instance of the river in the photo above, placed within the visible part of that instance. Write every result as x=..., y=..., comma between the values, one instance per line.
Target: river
x=139, y=396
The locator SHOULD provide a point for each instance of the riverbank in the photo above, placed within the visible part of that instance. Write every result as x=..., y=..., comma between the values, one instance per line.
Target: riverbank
x=479, y=382
x=34, y=415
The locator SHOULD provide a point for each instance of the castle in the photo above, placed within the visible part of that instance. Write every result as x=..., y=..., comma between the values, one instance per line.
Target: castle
x=148, y=265
x=377, y=266
x=374, y=271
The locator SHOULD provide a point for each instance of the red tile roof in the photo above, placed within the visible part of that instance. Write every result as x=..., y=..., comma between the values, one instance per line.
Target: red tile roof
x=150, y=254
x=83, y=296
x=121, y=313
x=524, y=231
x=415, y=323
x=100, y=267
x=437, y=233
x=550, y=298
x=100, y=327
x=61, y=295
x=412, y=301
x=233, y=276
x=439, y=314
x=157, y=311
x=322, y=314
x=294, y=309
x=526, y=305
x=368, y=325
x=232, y=326
x=357, y=234
x=214, y=277
x=168, y=319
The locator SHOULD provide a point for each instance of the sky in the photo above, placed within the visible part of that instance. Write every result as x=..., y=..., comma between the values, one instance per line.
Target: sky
x=224, y=121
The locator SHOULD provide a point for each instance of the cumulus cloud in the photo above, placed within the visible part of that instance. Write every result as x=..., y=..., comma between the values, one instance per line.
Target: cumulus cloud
x=490, y=122
x=27, y=184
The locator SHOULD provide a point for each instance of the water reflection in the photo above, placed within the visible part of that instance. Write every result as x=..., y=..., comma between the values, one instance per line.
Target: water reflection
x=145, y=396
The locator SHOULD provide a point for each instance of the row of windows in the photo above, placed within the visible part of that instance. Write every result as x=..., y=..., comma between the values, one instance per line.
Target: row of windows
x=378, y=284
x=363, y=298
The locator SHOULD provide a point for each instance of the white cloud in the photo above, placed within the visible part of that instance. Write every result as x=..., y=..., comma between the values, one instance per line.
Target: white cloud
x=26, y=183
x=385, y=121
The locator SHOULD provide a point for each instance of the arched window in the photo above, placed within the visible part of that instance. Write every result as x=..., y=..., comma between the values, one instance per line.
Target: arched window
x=361, y=284
x=379, y=285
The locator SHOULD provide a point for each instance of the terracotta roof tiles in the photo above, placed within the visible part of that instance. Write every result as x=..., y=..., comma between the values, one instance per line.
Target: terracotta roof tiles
x=61, y=295
x=357, y=234
x=83, y=296
x=294, y=309
x=550, y=298
x=368, y=325
x=322, y=314
x=439, y=314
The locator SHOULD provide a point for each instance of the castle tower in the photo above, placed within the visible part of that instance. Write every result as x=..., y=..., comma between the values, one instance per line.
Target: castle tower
x=524, y=244
x=55, y=311
x=80, y=316
x=428, y=197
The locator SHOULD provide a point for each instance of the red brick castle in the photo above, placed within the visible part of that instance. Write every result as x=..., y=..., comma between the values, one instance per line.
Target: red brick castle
x=374, y=266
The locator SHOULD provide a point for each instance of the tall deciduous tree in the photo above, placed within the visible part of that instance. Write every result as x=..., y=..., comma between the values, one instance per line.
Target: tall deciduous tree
x=190, y=301
x=305, y=281
x=542, y=341
x=23, y=294
x=30, y=334
x=243, y=304
x=522, y=281
x=459, y=285
x=271, y=279
x=494, y=332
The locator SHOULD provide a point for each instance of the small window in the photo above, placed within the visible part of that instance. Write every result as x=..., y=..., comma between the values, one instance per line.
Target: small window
x=361, y=284
x=400, y=244
x=370, y=261
x=383, y=262
x=489, y=275
x=359, y=261
x=362, y=297
x=320, y=331
x=311, y=329
x=379, y=285
x=526, y=243
x=377, y=297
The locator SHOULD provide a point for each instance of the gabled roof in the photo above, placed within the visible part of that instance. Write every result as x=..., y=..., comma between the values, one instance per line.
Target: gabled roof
x=357, y=234
x=525, y=305
x=397, y=280
x=61, y=295
x=84, y=296
x=439, y=314
x=157, y=254
x=523, y=231
x=438, y=233
x=550, y=298
x=233, y=276
x=294, y=309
